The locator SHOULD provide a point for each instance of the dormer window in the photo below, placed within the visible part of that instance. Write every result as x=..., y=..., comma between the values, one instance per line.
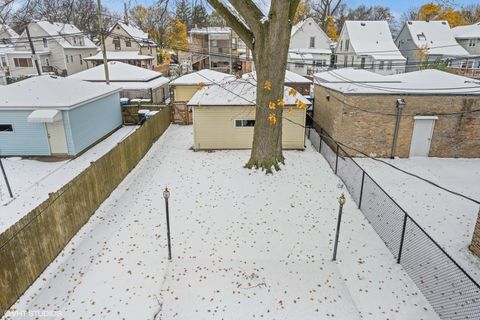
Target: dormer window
x=421, y=37
x=45, y=42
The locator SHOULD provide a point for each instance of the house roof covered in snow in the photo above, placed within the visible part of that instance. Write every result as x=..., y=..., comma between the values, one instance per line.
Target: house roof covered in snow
x=240, y=92
x=372, y=38
x=467, y=32
x=436, y=36
x=423, y=82
x=290, y=76
x=52, y=93
x=124, y=75
x=119, y=55
x=211, y=30
x=137, y=34
x=205, y=76
x=63, y=33
x=7, y=33
x=310, y=51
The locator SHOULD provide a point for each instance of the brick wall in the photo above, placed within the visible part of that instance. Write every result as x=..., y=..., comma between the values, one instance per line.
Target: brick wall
x=453, y=136
x=475, y=245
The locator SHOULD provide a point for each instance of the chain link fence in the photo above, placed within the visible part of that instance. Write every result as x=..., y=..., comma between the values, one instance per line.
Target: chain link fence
x=451, y=291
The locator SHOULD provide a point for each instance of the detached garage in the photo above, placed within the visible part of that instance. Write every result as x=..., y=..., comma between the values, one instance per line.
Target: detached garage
x=46, y=115
x=224, y=117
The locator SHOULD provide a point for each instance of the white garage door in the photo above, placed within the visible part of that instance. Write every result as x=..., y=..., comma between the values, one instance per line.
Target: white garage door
x=422, y=136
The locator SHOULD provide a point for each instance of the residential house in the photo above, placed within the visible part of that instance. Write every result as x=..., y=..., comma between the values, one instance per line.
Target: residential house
x=224, y=117
x=359, y=108
x=136, y=83
x=469, y=38
x=186, y=86
x=368, y=45
x=428, y=42
x=219, y=49
x=7, y=37
x=129, y=57
x=50, y=115
x=60, y=48
x=310, y=49
x=124, y=37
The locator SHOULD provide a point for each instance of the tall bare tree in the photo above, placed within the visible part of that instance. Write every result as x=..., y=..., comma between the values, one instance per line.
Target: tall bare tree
x=324, y=9
x=267, y=34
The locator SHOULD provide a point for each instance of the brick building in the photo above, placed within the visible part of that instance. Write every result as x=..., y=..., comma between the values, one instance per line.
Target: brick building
x=359, y=108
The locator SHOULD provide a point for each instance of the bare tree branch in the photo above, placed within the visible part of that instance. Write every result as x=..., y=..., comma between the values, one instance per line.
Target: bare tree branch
x=243, y=32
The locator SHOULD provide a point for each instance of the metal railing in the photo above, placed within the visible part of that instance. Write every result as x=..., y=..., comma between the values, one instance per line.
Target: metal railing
x=449, y=289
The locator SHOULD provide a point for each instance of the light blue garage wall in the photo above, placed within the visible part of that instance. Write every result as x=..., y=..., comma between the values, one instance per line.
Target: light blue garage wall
x=88, y=123
x=27, y=139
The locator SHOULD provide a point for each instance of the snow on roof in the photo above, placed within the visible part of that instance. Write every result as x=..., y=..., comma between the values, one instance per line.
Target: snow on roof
x=5, y=30
x=240, y=92
x=64, y=29
x=467, y=32
x=423, y=82
x=300, y=56
x=118, y=71
x=51, y=92
x=372, y=37
x=205, y=76
x=310, y=50
x=263, y=5
x=211, y=30
x=435, y=35
x=289, y=77
x=119, y=55
x=143, y=85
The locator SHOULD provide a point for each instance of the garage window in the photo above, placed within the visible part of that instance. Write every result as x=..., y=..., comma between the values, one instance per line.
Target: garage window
x=244, y=123
x=6, y=128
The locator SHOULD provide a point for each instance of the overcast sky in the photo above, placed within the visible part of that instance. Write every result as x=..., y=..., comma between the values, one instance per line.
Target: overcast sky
x=397, y=6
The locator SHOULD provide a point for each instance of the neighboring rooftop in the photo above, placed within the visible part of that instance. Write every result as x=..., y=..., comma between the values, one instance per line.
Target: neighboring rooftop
x=51, y=92
x=423, y=82
x=467, y=32
x=140, y=36
x=372, y=38
x=211, y=30
x=240, y=92
x=289, y=77
x=436, y=36
x=7, y=33
x=119, y=55
x=205, y=76
x=65, y=30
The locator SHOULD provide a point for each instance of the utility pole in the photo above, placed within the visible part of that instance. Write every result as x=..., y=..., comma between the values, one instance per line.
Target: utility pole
x=102, y=38
x=34, y=56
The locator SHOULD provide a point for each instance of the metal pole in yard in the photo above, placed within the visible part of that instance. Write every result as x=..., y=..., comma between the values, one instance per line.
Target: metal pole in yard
x=400, y=106
x=341, y=202
x=402, y=239
x=32, y=48
x=6, y=179
x=166, y=195
x=320, y=146
x=102, y=38
x=361, y=191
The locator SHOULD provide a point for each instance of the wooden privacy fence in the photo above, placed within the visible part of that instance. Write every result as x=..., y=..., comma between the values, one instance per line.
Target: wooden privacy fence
x=30, y=245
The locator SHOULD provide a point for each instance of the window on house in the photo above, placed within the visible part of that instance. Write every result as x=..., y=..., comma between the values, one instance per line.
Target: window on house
x=66, y=59
x=23, y=62
x=234, y=44
x=421, y=37
x=345, y=61
x=71, y=59
x=3, y=62
x=353, y=60
x=128, y=43
x=298, y=65
x=214, y=43
x=116, y=42
x=341, y=45
x=347, y=45
x=80, y=58
x=45, y=42
x=472, y=43
x=390, y=65
x=6, y=128
x=381, y=65
x=244, y=123
x=47, y=61
x=362, y=63
x=74, y=40
x=312, y=42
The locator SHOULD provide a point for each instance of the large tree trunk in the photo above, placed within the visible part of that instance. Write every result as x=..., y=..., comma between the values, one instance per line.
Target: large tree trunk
x=269, y=38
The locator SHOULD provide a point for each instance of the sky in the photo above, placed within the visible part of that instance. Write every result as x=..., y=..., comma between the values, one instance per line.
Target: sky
x=398, y=6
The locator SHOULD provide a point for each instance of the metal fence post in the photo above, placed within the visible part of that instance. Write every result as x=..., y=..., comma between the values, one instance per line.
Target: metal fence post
x=320, y=145
x=6, y=179
x=361, y=191
x=402, y=239
x=336, y=160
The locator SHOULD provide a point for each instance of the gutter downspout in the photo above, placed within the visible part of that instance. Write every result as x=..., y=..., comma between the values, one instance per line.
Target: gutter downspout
x=400, y=105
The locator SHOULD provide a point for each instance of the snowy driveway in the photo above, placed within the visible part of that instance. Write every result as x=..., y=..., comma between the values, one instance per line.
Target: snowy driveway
x=245, y=245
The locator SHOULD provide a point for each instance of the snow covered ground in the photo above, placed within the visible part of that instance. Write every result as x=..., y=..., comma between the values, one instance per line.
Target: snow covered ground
x=31, y=180
x=245, y=245
x=448, y=218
